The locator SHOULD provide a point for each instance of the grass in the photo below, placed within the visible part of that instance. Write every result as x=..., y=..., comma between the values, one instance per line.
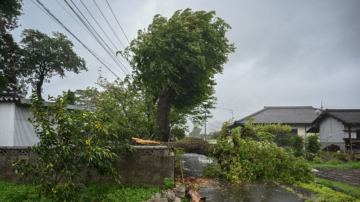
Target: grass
x=352, y=190
x=348, y=165
x=325, y=193
x=213, y=140
x=14, y=192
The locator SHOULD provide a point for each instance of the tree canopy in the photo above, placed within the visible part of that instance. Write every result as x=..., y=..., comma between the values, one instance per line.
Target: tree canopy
x=195, y=132
x=176, y=59
x=10, y=74
x=45, y=57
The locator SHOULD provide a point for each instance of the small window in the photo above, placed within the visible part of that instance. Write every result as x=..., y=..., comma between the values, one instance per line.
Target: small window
x=294, y=131
x=357, y=134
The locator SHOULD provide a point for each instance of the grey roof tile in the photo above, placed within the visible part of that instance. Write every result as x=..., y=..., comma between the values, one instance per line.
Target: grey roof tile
x=283, y=114
x=348, y=116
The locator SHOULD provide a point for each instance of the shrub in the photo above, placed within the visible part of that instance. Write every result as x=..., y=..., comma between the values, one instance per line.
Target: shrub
x=284, y=142
x=297, y=143
x=169, y=183
x=212, y=169
x=265, y=136
x=317, y=160
x=309, y=156
x=313, y=144
x=334, y=162
x=356, y=166
x=249, y=160
x=70, y=144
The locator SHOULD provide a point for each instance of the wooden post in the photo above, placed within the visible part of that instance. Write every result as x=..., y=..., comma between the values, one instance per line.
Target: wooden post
x=182, y=176
x=350, y=139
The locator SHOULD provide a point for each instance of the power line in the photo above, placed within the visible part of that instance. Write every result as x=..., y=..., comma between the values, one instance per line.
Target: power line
x=235, y=109
x=73, y=17
x=98, y=24
x=117, y=21
x=104, y=33
x=86, y=32
x=108, y=23
x=47, y=11
x=94, y=33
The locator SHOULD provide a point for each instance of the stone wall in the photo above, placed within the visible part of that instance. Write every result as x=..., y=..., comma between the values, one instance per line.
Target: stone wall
x=148, y=165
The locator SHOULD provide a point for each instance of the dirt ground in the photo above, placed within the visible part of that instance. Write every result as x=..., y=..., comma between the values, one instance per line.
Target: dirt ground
x=349, y=176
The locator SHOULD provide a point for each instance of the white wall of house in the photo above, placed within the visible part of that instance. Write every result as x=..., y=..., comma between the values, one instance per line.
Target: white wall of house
x=302, y=129
x=24, y=131
x=332, y=125
x=7, y=116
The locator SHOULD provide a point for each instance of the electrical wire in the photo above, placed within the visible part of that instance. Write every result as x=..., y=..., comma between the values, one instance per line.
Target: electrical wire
x=94, y=33
x=73, y=17
x=108, y=23
x=86, y=32
x=104, y=33
x=117, y=21
x=52, y=16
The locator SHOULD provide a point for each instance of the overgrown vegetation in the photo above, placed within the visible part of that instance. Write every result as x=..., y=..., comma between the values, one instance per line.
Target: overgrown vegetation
x=336, y=164
x=70, y=144
x=14, y=192
x=325, y=193
x=350, y=190
x=243, y=158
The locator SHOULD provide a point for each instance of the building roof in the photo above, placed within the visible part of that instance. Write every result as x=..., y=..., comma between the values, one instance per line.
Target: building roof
x=346, y=116
x=291, y=115
x=10, y=97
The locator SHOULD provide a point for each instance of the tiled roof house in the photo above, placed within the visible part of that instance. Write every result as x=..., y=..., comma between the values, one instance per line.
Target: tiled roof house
x=333, y=126
x=300, y=118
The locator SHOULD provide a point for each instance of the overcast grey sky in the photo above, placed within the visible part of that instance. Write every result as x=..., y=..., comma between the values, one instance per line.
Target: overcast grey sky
x=289, y=53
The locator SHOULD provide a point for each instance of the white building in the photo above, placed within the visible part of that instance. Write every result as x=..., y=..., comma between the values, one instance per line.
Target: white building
x=334, y=124
x=15, y=129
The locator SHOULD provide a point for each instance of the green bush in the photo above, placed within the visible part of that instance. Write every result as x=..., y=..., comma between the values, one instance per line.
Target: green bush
x=334, y=162
x=169, y=183
x=248, y=160
x=313, y=144
x=356, y=166
x=70, y=144
x=265, y=136
x=317, y=160
x=179, y=151
x=297, y=143
x=212, y=169
x=284, y=142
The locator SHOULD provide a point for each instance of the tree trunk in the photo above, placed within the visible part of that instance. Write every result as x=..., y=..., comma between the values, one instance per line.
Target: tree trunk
x=39, y=88
x=162, y=119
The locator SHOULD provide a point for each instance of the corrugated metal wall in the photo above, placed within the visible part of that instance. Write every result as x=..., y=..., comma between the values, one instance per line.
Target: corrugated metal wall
x=7, y=117
x=24, y=131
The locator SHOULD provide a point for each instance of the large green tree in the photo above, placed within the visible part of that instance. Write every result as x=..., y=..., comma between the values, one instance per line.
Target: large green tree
x=195, y=132
x=10, y=53
x=45, y=57
x=176, y=59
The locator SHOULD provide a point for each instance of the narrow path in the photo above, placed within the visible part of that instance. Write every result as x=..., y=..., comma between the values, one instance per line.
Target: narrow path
x=349, y=176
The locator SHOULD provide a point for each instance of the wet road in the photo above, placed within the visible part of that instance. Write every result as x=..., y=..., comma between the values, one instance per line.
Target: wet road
x=224, y=191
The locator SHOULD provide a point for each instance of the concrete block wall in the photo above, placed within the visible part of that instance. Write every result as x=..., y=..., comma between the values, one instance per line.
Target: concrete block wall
x=148, y=165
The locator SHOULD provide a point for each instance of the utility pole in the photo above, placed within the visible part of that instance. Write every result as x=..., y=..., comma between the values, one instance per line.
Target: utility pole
x=205, y=125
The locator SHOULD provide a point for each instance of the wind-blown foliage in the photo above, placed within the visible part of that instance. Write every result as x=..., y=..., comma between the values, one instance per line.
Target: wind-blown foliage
x=11, y=76
x=70, y=144
x=45, y=57
x=176, y=59
x=243, y=159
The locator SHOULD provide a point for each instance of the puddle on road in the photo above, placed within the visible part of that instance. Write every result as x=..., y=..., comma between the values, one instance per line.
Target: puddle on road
x=193, y=164
x=221, y=190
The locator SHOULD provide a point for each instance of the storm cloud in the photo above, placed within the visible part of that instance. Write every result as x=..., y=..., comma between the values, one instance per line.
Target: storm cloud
x=289, y=53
